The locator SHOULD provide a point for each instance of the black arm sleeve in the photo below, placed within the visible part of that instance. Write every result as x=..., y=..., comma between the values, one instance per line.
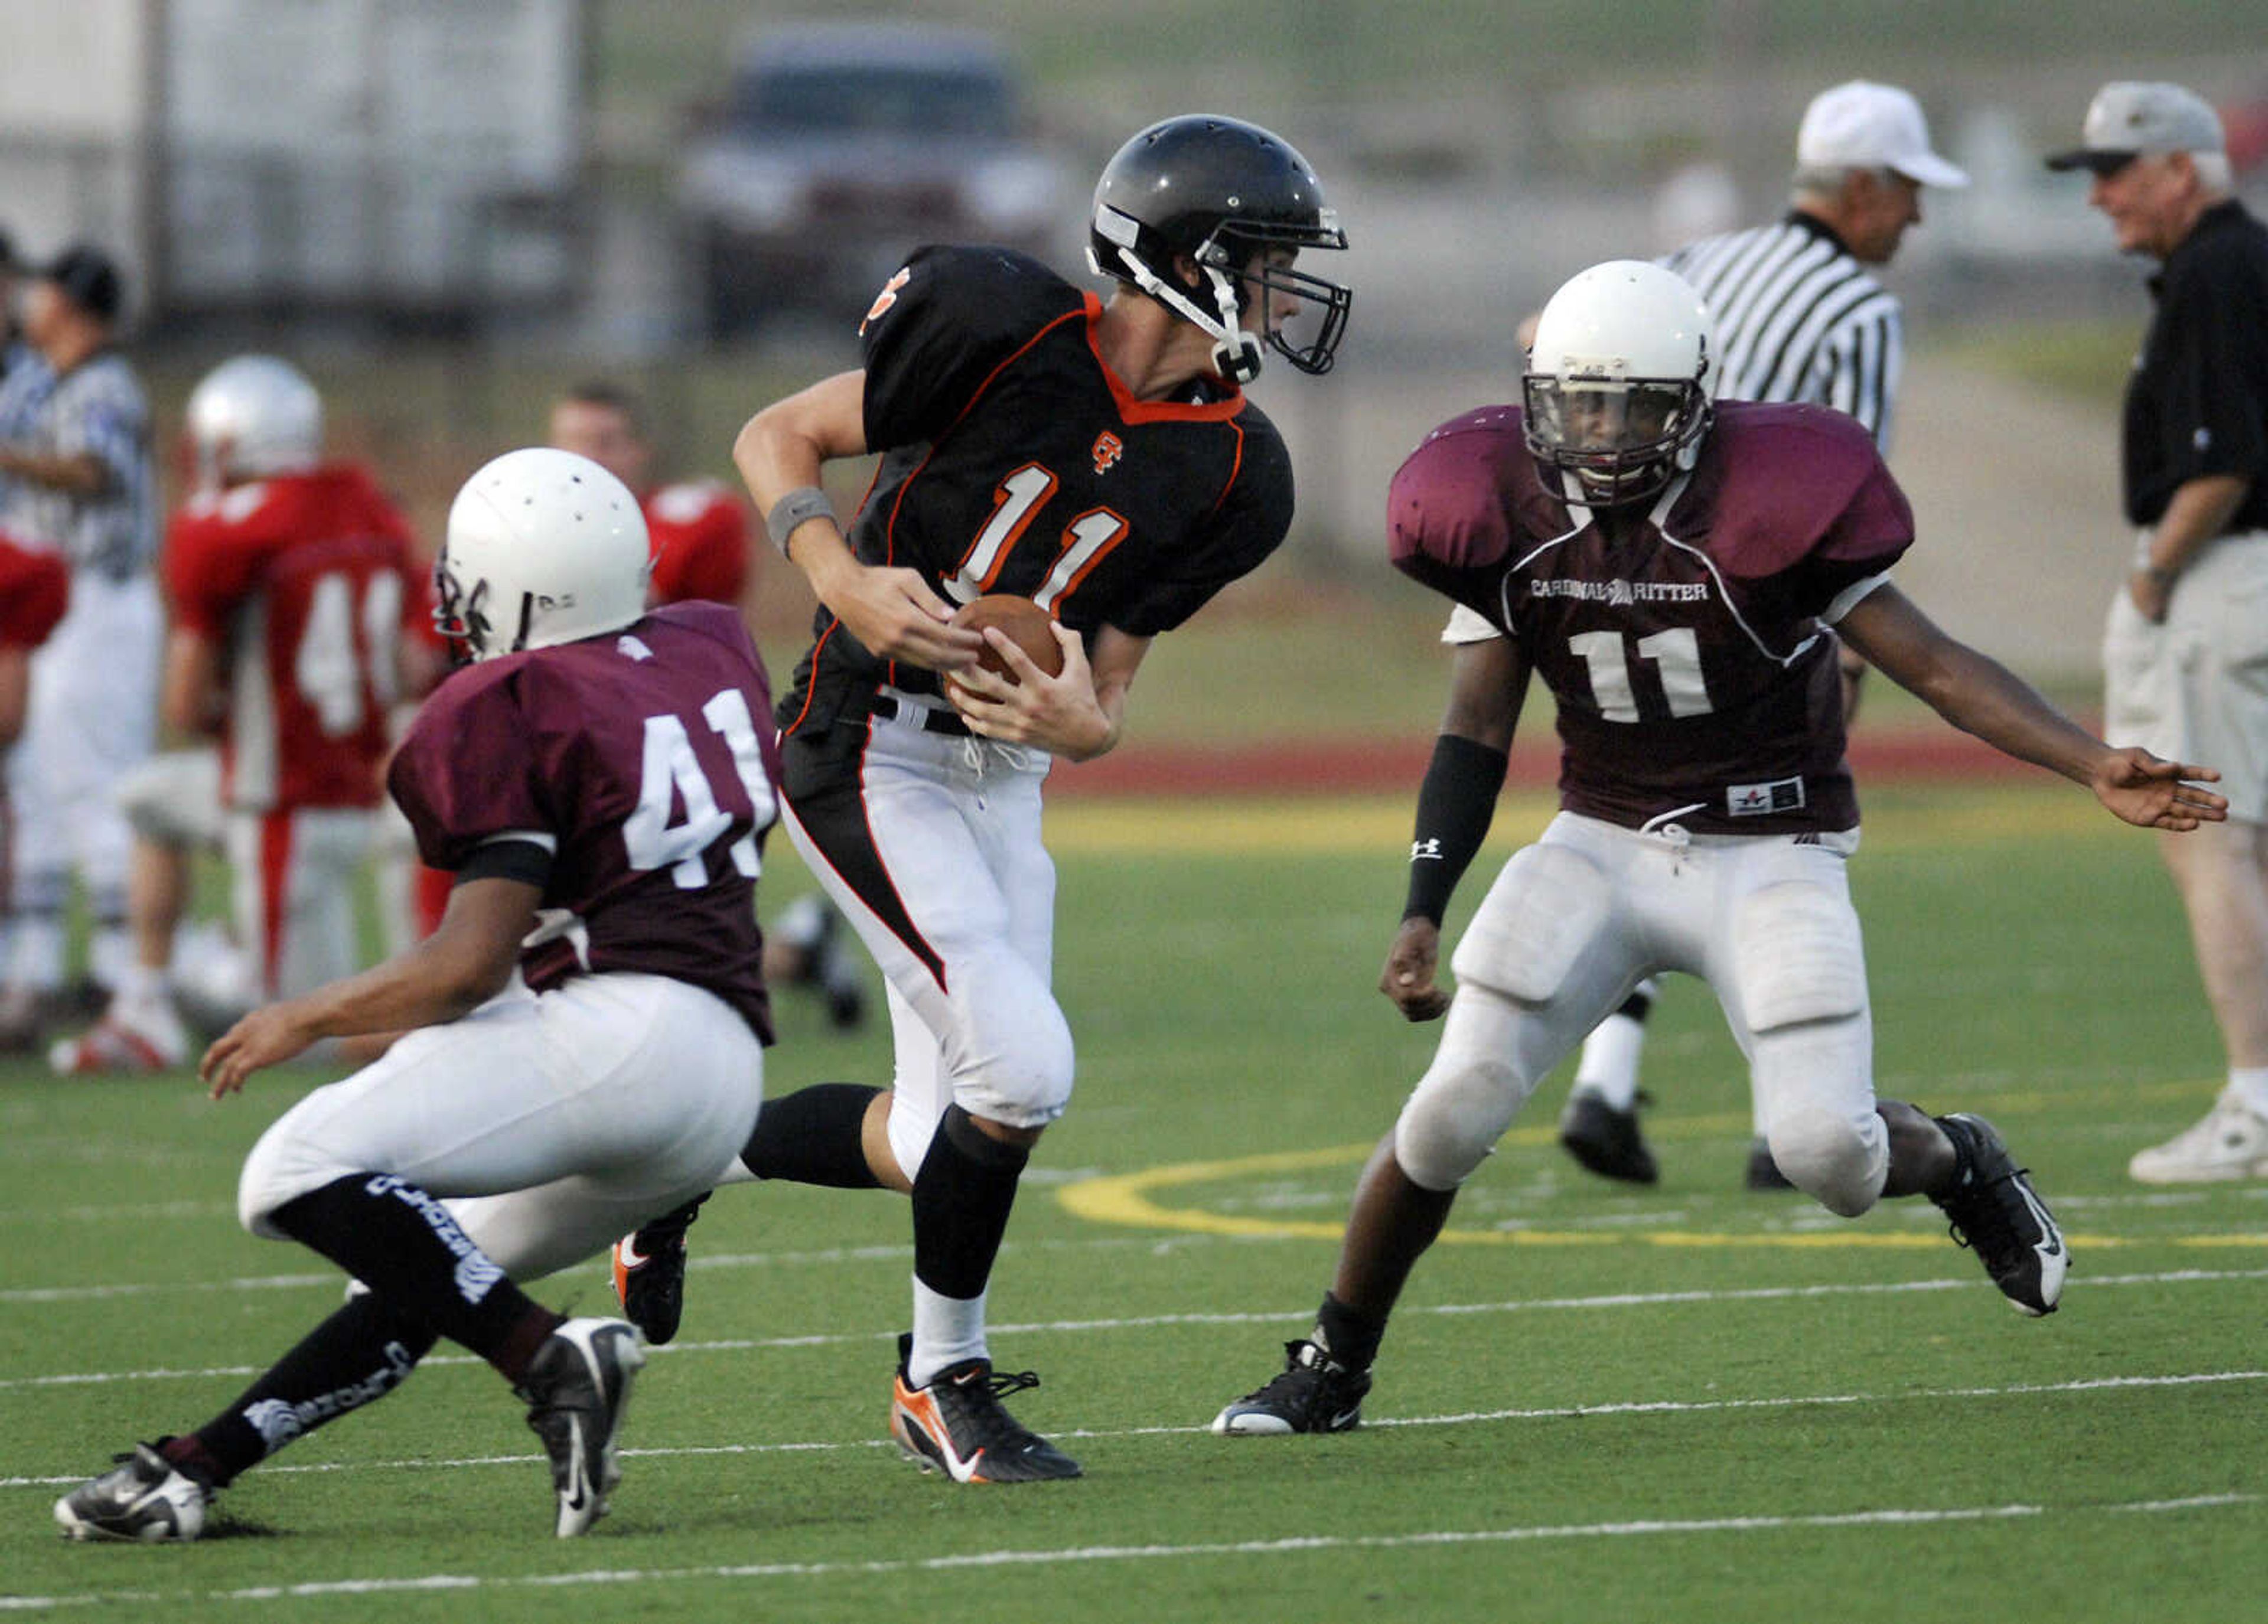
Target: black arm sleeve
x=1454, y=807
x=507, y=859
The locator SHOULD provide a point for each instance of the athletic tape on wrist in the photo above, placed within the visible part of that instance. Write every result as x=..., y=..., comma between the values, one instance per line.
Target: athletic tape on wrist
x=803, y=503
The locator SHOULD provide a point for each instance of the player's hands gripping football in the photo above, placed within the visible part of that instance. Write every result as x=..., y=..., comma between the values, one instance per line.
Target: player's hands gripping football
x=2153, y=793
x=1059, y=714
x=896, y=614
x=1411, y=966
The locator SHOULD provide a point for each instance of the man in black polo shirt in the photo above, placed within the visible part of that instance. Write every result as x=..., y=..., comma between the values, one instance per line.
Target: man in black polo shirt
x=2185, y=654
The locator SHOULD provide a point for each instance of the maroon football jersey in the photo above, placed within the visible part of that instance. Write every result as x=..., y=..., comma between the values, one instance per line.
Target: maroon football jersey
x=648, y=755
x=1686, y=653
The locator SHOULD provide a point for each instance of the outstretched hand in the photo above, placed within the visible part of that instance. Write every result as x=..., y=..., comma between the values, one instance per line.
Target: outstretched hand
x=263, y=1037
x=1410, y=963
x=2152, y=793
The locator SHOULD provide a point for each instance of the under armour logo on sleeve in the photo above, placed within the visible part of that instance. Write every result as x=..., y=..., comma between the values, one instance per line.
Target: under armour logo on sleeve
x=1428, y=849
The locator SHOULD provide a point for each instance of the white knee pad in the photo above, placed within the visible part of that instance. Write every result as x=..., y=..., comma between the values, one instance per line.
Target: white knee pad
x=1467, y=1098
x=1840, y=1161
x=1025, y=1079
x=1800, y=956
x=1544, y=910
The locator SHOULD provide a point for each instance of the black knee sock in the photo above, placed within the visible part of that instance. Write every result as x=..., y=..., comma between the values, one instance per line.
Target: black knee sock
x=360, y=1355
x=963, y=1197
x=814, y=1136
x=1348, y=1334
x=403, y=1243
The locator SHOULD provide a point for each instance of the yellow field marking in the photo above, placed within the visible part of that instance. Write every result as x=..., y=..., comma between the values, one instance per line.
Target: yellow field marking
x=1321, y=826
x=1129, y=1200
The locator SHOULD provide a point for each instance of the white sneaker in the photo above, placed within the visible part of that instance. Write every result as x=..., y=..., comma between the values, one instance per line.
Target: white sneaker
x=2230, y=1142
x=118, y=1044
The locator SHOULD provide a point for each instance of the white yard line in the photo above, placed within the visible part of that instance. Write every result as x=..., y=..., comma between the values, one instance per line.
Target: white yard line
x=1564, y=1412
x=1305, y=1545
x=1617, y=1300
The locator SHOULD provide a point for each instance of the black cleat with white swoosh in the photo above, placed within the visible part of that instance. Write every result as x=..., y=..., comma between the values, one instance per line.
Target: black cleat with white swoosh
x=575, y=1389
x=1994, y=1211
x=1314, y=1393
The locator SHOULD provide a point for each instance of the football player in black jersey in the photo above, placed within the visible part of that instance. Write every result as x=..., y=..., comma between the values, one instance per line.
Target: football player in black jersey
x=1099, y=456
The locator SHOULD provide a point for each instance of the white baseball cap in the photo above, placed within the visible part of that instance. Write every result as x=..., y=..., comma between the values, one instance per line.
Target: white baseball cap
x=1863, y=125
x=2127, y=119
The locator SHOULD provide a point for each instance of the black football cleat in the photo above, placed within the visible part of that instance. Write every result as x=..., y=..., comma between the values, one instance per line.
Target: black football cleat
x=1763, y=1172
x=649, y=1273
x=957, y=1425
x=1605, y=1141
x=144, y=1498
x=1994, y=1211
x=1314, y=1393
x=576, y=1390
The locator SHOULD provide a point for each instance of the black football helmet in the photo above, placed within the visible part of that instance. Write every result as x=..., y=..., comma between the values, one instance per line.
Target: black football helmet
x=1220, y=190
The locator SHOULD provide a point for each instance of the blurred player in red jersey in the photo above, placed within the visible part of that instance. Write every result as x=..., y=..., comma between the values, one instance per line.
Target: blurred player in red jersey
x=1672, y=572
x=700, y=533
x=585, y=1029
x=292, y=581
x=34, y=592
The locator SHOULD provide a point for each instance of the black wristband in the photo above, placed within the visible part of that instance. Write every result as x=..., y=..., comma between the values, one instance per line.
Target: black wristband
x=1456, y=805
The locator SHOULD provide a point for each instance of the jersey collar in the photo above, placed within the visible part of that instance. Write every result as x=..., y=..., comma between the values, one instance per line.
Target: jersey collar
x=1133, y=411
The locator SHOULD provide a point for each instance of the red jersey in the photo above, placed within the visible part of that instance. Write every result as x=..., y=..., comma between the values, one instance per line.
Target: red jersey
x=307, y=582
x=699, y=543
x=34, y=592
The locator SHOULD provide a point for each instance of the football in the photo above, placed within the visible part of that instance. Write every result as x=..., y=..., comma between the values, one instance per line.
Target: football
x=1023, y=622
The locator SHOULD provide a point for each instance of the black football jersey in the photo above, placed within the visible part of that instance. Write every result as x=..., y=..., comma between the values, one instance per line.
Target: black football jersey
x=1015, y=460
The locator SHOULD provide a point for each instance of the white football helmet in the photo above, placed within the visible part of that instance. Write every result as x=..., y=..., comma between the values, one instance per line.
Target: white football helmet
x=1615, y=386
x=543, y=547
x=253, y=417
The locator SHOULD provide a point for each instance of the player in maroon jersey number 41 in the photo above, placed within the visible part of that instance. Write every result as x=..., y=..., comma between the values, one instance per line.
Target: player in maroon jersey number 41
x=598, y=779
x=1668, y=569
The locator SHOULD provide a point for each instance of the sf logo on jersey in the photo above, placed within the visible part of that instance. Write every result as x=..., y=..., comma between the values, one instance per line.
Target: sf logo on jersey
x=1109, y=448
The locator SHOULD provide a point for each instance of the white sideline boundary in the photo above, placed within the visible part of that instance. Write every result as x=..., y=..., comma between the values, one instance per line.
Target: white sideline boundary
x=1614, y=1300
x=1888, y=1517
x=1566, y=1411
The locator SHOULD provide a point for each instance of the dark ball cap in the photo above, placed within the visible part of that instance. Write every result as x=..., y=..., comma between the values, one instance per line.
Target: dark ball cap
x=89, y=279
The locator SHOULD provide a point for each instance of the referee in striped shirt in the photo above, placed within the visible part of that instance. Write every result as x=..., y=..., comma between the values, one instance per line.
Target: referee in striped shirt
x=1799, y=317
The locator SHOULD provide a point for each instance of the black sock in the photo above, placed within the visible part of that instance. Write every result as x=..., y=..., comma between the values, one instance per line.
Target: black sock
x=1348, y=1334
x=962, y=1196
x=360, y=1355
x=814, y=1136
x=403, y=1243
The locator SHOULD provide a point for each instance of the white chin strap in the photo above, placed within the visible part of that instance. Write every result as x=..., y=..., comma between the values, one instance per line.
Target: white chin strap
x=1235, y=353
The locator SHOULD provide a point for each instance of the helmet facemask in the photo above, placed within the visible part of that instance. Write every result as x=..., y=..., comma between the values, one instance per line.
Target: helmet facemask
x=1624, y=438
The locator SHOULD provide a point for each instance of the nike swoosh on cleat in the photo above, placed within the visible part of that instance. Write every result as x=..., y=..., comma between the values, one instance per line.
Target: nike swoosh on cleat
x=626, y=1253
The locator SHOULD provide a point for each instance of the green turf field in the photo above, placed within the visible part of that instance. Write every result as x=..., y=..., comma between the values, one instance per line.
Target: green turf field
x=1686, y=1404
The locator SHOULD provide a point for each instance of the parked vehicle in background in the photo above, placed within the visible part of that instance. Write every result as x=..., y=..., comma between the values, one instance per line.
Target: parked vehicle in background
x=841, y=146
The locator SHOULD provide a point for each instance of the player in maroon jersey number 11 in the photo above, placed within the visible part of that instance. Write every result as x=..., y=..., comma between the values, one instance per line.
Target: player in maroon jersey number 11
x=1667, y=569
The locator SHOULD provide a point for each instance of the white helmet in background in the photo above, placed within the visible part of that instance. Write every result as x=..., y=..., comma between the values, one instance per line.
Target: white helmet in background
x=1615, y=390
x=253, y=417
x=543, y=547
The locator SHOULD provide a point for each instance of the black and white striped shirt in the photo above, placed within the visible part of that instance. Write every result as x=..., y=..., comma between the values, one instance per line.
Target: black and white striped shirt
x=97, y=408
x=1798, y=320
